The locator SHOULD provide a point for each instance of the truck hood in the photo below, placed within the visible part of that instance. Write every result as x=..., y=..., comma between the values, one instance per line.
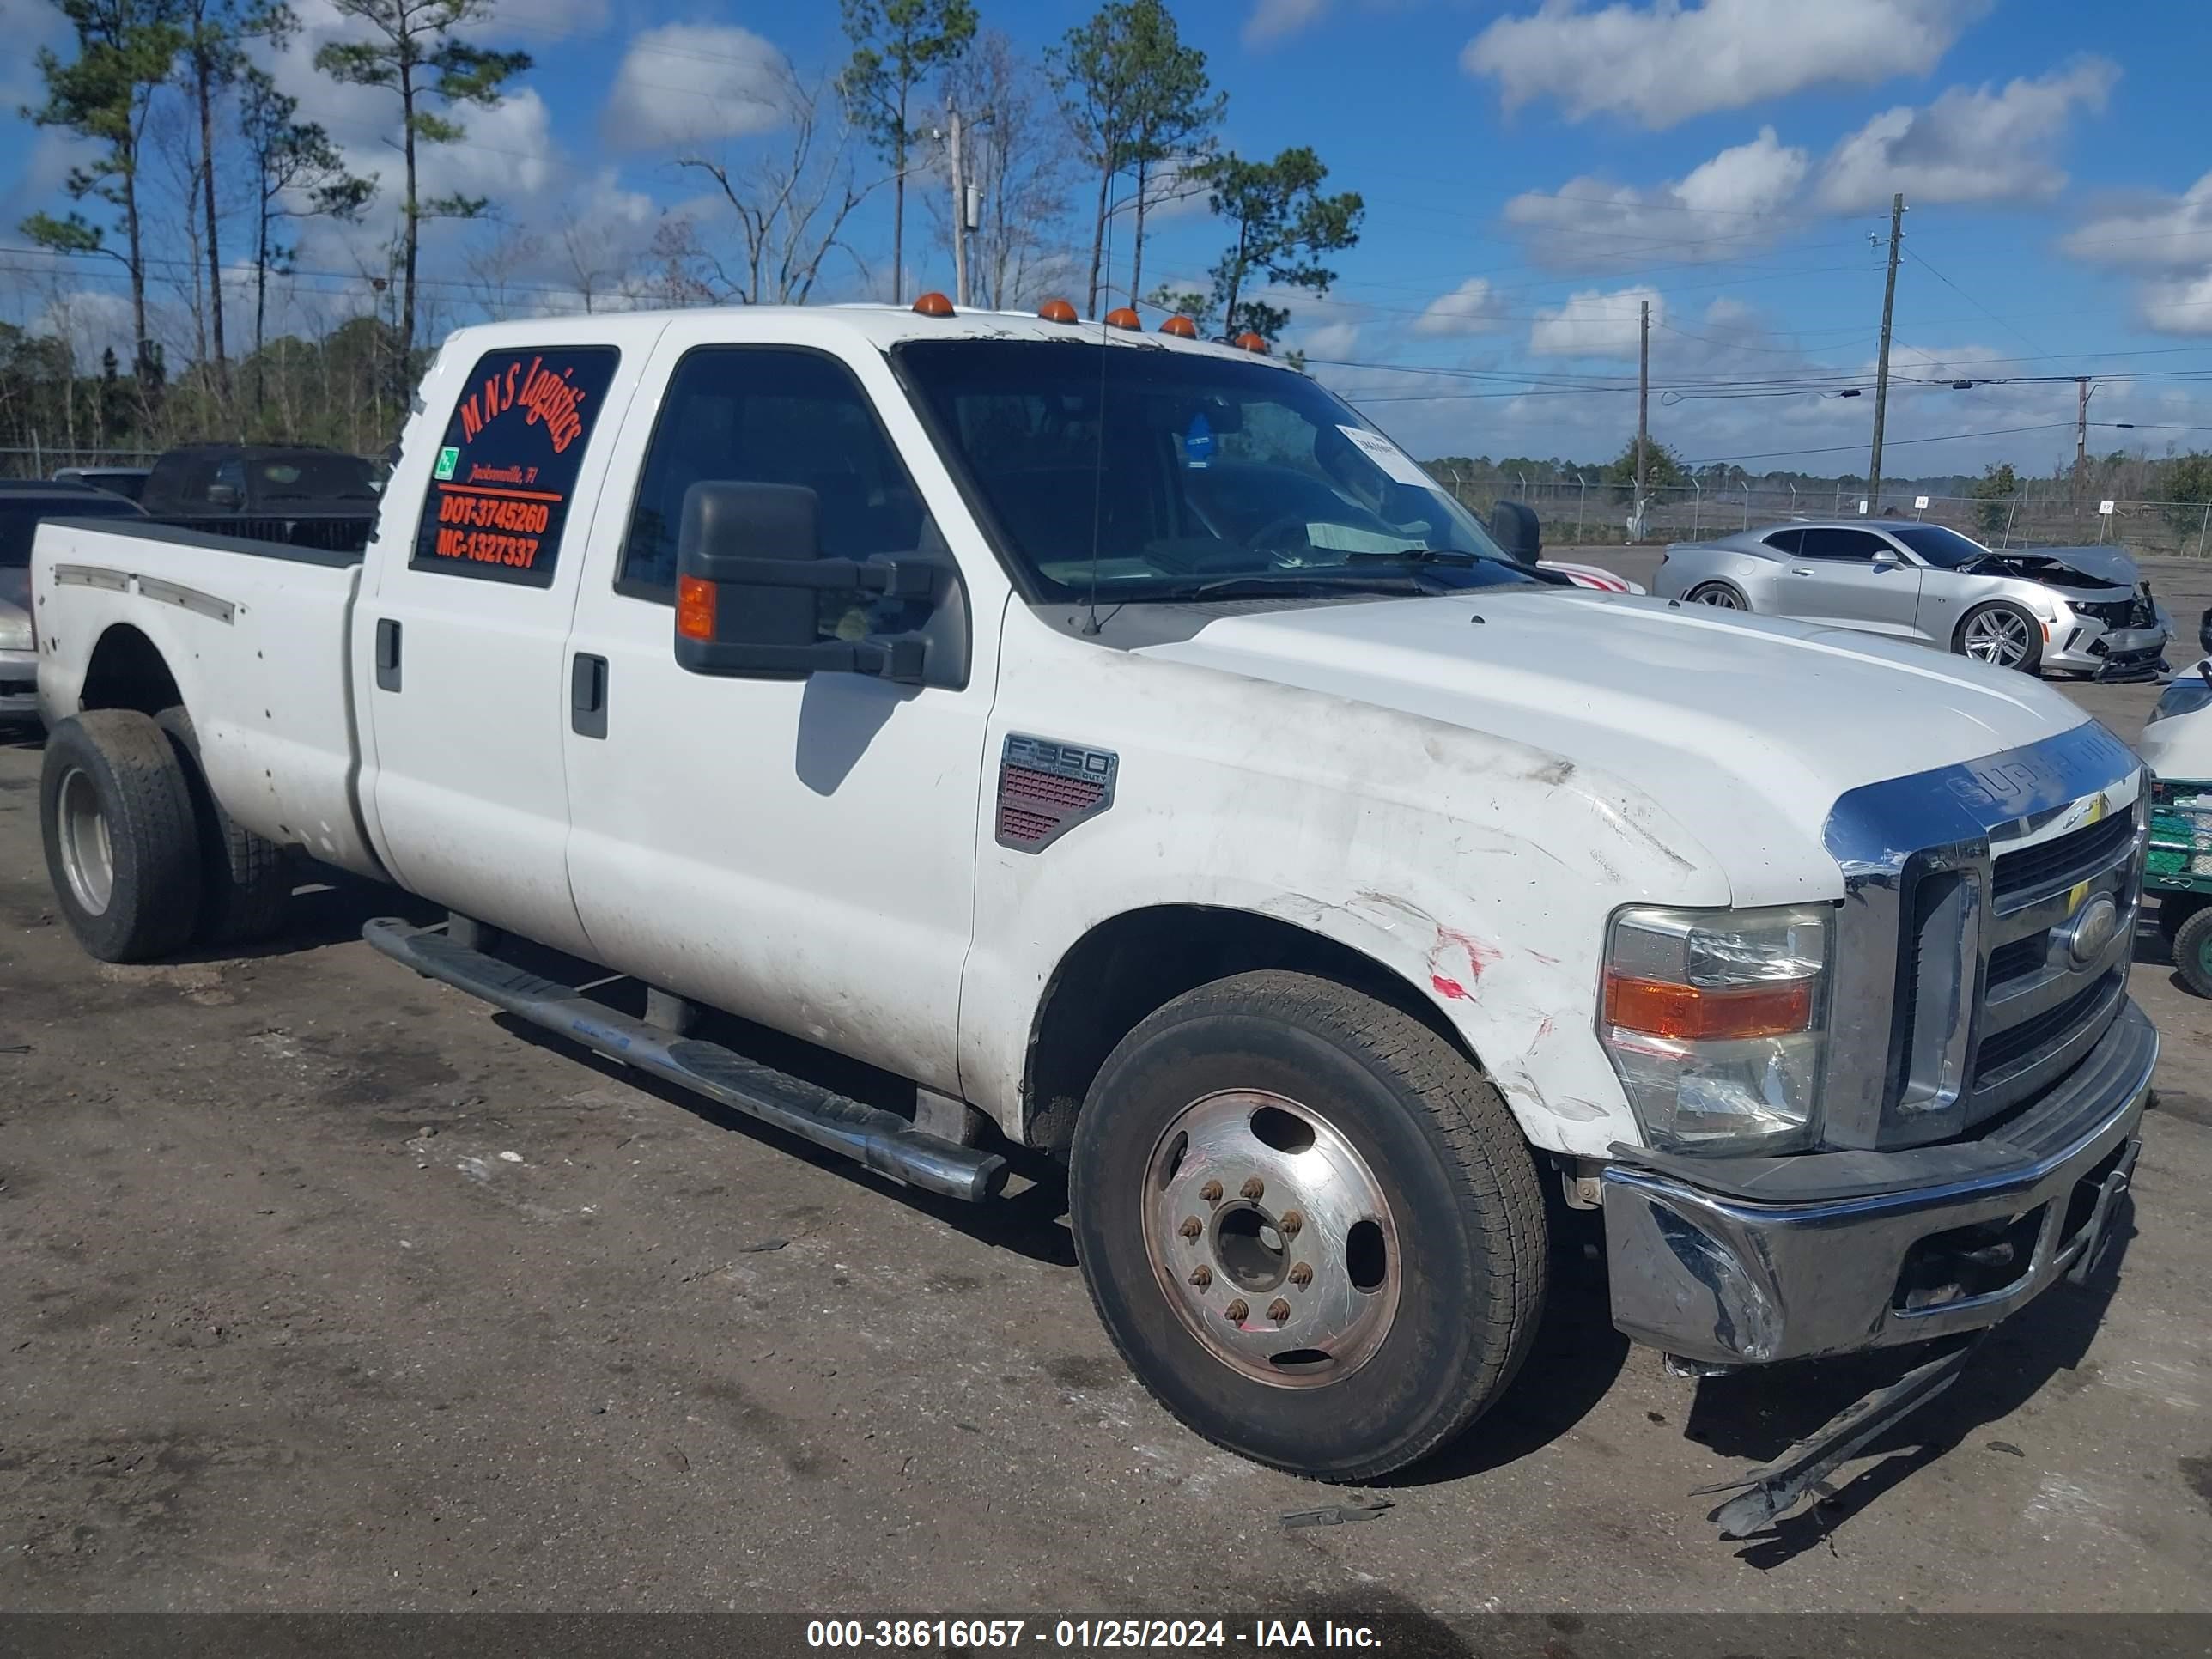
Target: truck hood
x=1742, y=730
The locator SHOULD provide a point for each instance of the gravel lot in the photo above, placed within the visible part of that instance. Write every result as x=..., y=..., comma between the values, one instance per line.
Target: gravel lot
x=322, y=1287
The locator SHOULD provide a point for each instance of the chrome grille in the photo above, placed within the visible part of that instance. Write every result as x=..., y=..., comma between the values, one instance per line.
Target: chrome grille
x=2041, y=1010
x=1959, y=994
x=2053, y=866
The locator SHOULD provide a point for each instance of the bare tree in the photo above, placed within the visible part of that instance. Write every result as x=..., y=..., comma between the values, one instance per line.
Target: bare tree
x=1021, y=170
x=600, y=267
x=496, y=270
x=790, y=205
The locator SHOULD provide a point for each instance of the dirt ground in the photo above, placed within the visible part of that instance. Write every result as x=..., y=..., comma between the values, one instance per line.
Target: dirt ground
x=323, y=1287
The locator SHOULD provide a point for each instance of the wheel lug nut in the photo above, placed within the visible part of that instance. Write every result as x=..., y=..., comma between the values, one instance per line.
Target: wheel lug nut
x=1211, y=1192
x=1253, y=1186
x=1291, y=1222
x=1201, y=1275
x=1235, y=1311
x=1279, y=1310
x=1192, y=1227
x=1301, y=1275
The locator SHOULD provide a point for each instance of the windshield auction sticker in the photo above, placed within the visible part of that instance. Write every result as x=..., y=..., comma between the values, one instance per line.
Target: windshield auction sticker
x=1396, y=463
x=508, y=465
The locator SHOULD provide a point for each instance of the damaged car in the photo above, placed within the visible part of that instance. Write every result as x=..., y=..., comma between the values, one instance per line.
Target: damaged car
x=2078, y=609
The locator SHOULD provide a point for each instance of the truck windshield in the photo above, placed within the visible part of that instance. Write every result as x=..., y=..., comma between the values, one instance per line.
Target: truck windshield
x=1160, y=474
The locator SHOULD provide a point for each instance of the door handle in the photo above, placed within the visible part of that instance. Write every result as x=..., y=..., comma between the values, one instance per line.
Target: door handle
x=388, y=654
x=587, y=696
x=1800, y=570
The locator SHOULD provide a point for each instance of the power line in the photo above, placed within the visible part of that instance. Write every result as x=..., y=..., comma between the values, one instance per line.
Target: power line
x=1834, y=449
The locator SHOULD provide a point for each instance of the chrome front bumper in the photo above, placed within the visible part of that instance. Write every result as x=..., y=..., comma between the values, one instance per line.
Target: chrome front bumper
x=1748, y=1261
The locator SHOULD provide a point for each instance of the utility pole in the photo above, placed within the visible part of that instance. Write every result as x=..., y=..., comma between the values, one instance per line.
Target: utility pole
x=1642, y=410
x=959, y=212
x=2081, y=433
x=1881, y=366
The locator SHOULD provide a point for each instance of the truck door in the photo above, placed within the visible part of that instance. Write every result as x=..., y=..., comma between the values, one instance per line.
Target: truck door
x=800, y=852
x=467, y=628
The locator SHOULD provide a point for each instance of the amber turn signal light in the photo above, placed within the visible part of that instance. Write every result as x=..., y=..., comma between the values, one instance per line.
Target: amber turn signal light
x=694, y=608
x=933, y=304
x=1182, y=327
x=1691, y=1013
x=1122, y=317
x=1057, y=311
x=1250, y=341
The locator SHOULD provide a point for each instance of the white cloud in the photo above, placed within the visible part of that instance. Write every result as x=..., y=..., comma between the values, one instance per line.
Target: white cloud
x=2166, y=242
x=557, y=19
x=1667, y=62
x=1971, y=144
x=1278, y=20
x=1595, y=324
x=1723, y=209
x=1470, y=308
x=693, y=83
x=1330, y=340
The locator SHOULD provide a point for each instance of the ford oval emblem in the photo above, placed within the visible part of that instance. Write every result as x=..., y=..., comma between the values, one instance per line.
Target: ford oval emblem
x=2090, y=932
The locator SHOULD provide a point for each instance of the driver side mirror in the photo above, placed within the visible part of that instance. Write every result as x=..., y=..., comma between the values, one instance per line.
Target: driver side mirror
x=1886, y=558
x=225, y=495
x=2204, y=632
x=751, y=585
x=1514, y=527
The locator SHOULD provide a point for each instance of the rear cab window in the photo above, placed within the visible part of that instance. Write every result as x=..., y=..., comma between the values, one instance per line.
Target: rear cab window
x=507, y=464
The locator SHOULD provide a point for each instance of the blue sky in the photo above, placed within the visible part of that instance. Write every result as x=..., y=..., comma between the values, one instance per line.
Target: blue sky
x=1532, y=172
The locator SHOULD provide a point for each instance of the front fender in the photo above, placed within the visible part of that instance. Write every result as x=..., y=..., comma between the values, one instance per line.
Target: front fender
x=1480, y=871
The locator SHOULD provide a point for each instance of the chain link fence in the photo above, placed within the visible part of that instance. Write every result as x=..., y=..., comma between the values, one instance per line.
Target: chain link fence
x=1587, y=510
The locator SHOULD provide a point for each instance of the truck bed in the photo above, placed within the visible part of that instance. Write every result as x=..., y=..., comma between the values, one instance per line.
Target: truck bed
x=256, y=636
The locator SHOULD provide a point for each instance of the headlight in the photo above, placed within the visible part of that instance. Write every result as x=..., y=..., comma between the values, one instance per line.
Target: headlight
x=15, y=631
x=1716, y=1021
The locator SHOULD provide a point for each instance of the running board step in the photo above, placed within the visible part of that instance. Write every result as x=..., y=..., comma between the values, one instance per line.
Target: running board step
x=883, y=1141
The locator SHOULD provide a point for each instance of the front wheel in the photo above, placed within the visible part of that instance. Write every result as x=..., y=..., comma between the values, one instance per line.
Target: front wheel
x=2001, y=635
x=1309, y=1223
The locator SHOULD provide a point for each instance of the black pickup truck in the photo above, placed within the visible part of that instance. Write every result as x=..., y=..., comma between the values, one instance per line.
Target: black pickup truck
x=298, y=495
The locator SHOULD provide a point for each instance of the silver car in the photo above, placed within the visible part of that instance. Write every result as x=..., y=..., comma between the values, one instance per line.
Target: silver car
x=2085, y=609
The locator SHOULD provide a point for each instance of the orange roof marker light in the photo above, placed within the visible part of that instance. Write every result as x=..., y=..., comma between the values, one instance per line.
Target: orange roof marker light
x=933, y=304
x=1122, y=317
x=1058, y=311
x=1182, y=327
x=1247, y=340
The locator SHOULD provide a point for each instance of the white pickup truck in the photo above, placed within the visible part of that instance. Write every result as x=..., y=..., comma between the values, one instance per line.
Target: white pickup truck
x=1115, y=739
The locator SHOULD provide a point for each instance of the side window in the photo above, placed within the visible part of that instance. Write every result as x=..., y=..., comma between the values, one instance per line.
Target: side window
x=229, y=477
x=1786, y=541
x=506, y=467
x=1843, y=545
x=766, y=415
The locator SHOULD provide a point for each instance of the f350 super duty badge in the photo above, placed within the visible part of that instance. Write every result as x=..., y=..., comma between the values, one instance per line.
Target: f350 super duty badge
x=1046, y=789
